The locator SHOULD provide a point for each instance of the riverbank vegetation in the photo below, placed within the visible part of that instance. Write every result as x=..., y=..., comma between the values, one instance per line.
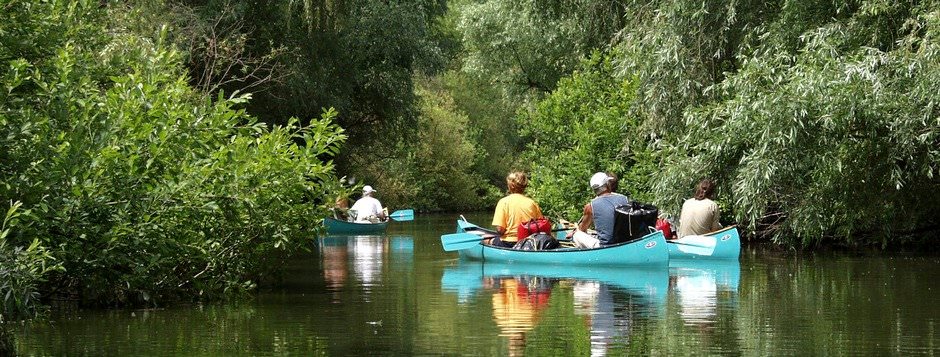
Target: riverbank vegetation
x=131, y=187
x=164, y=150
x=817, y=119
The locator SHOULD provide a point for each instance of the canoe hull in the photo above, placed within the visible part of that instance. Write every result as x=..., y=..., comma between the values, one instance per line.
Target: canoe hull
x=721, y=244
x=334, y=226
x=650, y=250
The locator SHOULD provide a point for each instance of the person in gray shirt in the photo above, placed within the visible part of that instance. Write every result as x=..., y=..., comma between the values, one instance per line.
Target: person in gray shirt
x=600, y=212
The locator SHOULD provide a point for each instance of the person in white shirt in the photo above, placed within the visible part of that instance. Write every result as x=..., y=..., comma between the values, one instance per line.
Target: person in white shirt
x=699, y=214
x=368, y=209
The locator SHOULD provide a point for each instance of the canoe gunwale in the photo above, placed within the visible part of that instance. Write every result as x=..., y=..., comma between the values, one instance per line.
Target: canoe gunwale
x=611, y=246
x=649, y=250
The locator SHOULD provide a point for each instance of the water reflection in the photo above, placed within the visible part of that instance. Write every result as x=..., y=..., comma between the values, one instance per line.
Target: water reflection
x=595, y=303
x=607, y=300
x=334, y=259
x=698, y=285
x=518, y=303
x=647, y=284
x=367, y=256
x=364, y=256
x=604, y=299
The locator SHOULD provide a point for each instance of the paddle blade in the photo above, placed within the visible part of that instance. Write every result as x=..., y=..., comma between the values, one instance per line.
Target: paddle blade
x=403, y=215
x=696, y=245
x=459, y=241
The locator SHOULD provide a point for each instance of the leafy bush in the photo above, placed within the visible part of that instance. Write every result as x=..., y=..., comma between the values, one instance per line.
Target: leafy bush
x=577, y=130
x=435, y=172
x=21, y=270
x=139, y=186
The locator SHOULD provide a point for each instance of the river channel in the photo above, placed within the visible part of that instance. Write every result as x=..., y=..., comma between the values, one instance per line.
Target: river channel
x=401, y=294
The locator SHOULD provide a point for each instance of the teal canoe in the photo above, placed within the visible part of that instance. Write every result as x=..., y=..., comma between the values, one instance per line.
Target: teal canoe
x=721, y=244
x=649, y=250
x=337, y=227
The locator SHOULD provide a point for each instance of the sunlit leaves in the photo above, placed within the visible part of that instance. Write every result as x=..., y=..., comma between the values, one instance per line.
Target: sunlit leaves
x=832, y=139
x=578, y=130
x=142, y=188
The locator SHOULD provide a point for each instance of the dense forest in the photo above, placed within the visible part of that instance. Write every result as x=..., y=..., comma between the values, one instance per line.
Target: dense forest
x=153, y=151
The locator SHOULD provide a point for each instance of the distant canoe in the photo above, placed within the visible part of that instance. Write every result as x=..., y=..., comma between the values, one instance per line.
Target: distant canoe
x=721, y=244
x=335, y=226
x=649, y=250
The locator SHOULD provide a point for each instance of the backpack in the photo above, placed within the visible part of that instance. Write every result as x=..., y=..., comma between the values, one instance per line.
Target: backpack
x=633, y=221
x=537, y=241
x=533, y=226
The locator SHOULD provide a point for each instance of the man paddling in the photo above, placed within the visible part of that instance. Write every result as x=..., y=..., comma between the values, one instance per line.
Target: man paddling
x=600, y=213
x=368, y=209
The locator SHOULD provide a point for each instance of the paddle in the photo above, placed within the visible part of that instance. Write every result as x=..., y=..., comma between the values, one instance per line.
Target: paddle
x=403, y=215
x=459, y=241
x=688, y=244
x=490, y=231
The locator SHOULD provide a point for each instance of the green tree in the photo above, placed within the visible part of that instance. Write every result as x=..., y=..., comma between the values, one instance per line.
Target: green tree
x=141, y=187
x=437, y=171
x=525, y=47
x=827, y=128
x=579, y=129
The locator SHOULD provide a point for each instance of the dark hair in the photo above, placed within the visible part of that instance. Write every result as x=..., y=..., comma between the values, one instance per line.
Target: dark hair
x=705, y=189
x=612, y=182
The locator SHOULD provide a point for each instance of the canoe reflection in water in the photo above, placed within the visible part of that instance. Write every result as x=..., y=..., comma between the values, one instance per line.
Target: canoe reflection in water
x=362, y=256
x=523, y=291
x=517, y=305
x=595, y=303
x=698, y=286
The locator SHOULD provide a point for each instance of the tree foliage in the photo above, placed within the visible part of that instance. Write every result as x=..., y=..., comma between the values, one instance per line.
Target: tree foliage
x=838, y=138
x=353, y=55
x=437, y=171
x=577, y=130
x=816, y=118
x=525, y=47
x=141, y=187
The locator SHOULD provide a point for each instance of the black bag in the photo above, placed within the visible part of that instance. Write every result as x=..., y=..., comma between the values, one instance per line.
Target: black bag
x=633, y=221
x=537, y=241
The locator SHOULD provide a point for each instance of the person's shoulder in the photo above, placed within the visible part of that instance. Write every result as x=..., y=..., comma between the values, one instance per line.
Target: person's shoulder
x=621, y=196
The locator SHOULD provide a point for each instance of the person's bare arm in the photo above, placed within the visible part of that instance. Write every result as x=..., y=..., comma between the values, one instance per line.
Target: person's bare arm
x=587, y=219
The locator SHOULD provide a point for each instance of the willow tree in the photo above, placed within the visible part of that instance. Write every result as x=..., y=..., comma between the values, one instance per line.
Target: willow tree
x=525, y=47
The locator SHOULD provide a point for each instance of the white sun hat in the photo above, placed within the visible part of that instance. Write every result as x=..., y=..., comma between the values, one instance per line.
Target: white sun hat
x=599, y=179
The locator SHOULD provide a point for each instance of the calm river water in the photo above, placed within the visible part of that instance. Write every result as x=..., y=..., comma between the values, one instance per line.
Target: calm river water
x=400, y=294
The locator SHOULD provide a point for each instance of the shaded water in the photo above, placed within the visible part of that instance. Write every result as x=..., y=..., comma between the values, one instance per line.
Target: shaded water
x=400, y=294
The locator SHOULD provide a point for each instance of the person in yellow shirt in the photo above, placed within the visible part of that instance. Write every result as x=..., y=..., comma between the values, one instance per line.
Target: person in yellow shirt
x=513, y=209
